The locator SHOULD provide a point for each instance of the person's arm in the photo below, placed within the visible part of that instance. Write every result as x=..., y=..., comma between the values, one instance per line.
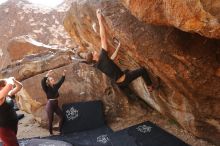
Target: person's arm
x=44, y=80
x=116, y=51
x=5, y=90
x=18, y=86
x=44, y=84
x=102, y=30
x=60, y=82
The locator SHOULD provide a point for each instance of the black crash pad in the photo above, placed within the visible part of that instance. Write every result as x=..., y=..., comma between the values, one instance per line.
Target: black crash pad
x=121, y=138
x=148, y=133
x=82, y=116
x=143, y=134
x=96, y=137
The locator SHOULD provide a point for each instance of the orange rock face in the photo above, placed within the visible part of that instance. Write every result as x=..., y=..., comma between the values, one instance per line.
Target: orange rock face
x=187, y=64
x=199, y=16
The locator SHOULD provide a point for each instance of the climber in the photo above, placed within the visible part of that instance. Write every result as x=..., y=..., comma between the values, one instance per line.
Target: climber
x=106, y=64
x=8, y=118
x=51, y=87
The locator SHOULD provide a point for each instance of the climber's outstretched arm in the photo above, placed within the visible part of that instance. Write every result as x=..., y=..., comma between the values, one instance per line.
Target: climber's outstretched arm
x=102, y=30
x=114, y=55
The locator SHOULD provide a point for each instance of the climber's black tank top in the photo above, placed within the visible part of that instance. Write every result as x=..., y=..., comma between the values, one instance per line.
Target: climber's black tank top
x=107, y=66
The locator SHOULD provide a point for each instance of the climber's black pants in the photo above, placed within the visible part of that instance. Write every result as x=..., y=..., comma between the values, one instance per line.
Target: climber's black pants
x=51, y=108
x=132, y=75
x=129, y=77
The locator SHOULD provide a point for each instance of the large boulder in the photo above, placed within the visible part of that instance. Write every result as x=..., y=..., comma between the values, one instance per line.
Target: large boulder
x=187, y=64
x=199, y=16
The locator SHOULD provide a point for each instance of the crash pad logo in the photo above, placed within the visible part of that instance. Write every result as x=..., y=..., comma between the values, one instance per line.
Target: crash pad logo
x=144, y=129
x=103, y=139
x=72, y=114
x=23, y=143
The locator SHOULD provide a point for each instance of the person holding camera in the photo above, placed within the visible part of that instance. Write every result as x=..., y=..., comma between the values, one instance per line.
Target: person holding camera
x=8, y=117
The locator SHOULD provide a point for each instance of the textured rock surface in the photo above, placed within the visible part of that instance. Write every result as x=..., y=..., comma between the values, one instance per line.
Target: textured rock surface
x=44, y=24
x=199, y=16
x=21, y=46
x=34, y=64
x=187, y=64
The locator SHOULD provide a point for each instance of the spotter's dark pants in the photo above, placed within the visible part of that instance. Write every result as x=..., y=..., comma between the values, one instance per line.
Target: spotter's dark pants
x=51, y=108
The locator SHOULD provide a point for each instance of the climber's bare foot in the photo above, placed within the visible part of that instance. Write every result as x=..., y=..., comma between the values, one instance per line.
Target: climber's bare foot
x=116, y=42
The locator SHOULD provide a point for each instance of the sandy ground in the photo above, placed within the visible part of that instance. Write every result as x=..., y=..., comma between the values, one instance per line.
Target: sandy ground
x=28, y=127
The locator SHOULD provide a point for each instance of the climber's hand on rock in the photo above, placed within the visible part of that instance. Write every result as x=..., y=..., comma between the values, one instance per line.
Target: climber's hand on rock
x=99, y=14
x=116, y=42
